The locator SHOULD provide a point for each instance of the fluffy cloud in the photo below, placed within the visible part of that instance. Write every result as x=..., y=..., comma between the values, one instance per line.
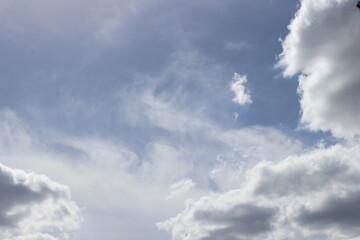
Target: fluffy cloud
x=323, y=46
x=242, y=94
x=34, y=207
x=314, y=194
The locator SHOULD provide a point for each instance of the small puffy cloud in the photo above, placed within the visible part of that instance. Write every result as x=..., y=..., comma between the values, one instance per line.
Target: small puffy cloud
x=306, y=196
x=34, y=207
x=242, y=94
x=323, y=47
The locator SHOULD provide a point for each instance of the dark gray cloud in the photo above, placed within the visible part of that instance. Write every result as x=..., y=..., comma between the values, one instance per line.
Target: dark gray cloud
x=13, y=195
x=33, y=205
x=240, y=222
x=341, y=213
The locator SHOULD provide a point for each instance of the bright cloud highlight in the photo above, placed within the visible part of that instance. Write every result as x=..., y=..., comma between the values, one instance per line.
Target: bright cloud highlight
x=323, y=47
x=242, y=94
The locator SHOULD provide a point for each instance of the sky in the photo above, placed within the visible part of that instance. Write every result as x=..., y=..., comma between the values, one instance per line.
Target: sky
x=179, y=120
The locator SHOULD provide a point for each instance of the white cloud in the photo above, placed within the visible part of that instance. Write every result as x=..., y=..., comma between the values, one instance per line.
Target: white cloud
x=34, y=237
x=242, y=94
x=13, y=133
x=106, y=178
x=176, y=99
x=34, y=207
x=108, y=169
x=247, y=147
x=180, y=188
x=323, y=46
x=162, y=112
x=309, y=196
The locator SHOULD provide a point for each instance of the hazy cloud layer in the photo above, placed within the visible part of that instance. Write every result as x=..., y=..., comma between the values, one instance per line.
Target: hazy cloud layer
x=323, y=47
x=34, y=207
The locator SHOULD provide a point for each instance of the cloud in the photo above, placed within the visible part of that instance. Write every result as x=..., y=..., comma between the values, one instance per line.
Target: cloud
x=34, y=207
x=13, y=133
x=221, y=216
x=94, y=166
x=242, y=94
x=180, y=188
x=313, y=172
x=35, y=237
x=246, y=148
x=240, y=221
x=112, y=170
x=163, y=112
x=237, y=46
x=313, y=194
x=335, y=213
x=323, y=47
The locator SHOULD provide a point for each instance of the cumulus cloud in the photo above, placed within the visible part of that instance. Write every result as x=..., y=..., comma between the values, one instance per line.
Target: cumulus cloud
x=336, y=213
x=323, y=47
x=240, y=221
x=313, y=194
x=34, y=207
x=220, y=217
x=242, y=94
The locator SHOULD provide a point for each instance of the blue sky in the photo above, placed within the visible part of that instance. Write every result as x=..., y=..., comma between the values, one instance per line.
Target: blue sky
x=193, y=120
x=97, y=57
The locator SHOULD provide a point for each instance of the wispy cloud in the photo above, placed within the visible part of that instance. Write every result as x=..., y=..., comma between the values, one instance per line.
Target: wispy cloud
x=180, y=188
x=237, y=46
